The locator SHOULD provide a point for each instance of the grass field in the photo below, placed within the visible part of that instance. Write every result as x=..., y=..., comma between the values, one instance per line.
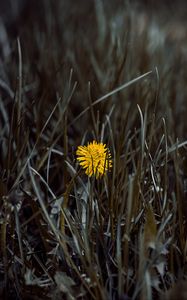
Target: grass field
x=72, y=73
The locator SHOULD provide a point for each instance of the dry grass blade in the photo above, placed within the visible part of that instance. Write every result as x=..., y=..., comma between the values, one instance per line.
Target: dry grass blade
x=113, y=92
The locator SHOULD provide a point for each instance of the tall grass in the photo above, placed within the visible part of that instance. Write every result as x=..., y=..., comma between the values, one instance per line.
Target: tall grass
x=83, y=72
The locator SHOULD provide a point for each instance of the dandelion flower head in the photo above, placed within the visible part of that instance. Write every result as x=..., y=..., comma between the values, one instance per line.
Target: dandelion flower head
x=95, y=158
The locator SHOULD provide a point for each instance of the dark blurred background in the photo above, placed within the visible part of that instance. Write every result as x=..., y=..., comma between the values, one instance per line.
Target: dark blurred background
x=16, y=13
x=59, y=35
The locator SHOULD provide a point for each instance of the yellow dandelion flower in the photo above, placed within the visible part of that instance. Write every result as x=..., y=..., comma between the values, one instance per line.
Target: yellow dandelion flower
x=95, y=158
